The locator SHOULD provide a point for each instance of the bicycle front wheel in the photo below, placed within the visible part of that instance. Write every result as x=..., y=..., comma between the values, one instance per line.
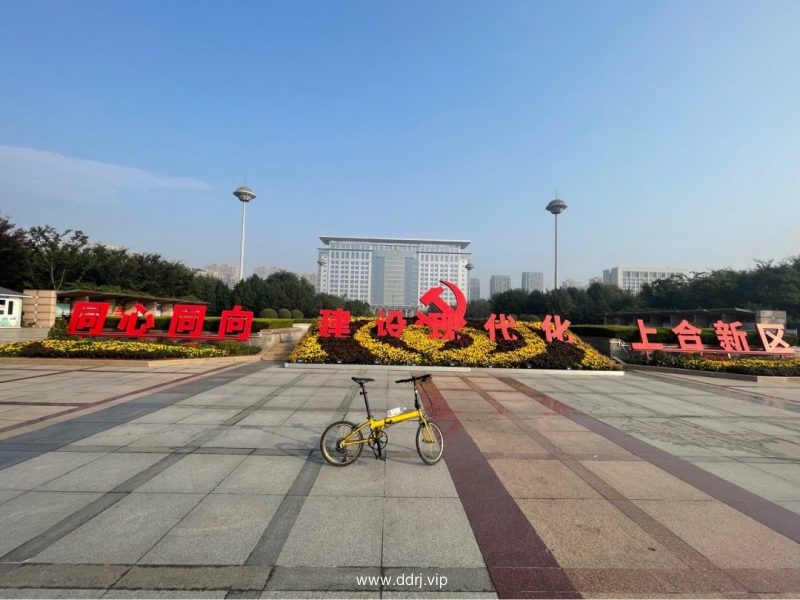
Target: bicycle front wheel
x=333, y=447
x=430, y=442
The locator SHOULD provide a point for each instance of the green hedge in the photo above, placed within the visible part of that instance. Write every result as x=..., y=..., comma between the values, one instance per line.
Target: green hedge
x=774, y=366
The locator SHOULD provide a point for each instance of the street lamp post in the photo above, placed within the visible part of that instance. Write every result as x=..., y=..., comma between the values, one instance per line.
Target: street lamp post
x=469, y=266
x=556, y=207
x=245, y=194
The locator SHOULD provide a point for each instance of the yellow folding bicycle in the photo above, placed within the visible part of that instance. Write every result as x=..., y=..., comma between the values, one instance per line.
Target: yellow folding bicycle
x=343, y=441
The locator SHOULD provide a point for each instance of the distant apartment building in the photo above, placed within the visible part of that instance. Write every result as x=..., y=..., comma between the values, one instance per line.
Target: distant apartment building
x=573, y=283
x=499, y=284
x=391, y=272
x=533, y=281
x=229, y=274
x=631, y=279
x=474, y=289
x=264, y=272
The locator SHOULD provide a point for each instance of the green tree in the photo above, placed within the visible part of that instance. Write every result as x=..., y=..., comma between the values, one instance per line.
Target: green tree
x=286, y=289
x=479, y=309
x=510, y=302
x=357, y=308
x=55, y=258
x=212, y=290
x=14, y=255
x=328, y=301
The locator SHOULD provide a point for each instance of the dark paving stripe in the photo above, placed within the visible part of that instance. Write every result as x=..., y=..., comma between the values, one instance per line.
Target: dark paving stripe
x=20, y=403
x=222, y=577
x=517, y=558
x=38, y=375
x=64, y=527
x=62, y=433
x=69, y=524
x=105, y=401
x=768, y=513
x=271, y=543
x=245, y=412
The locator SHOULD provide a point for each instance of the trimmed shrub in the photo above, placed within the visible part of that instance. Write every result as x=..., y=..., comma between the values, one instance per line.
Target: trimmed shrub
x=268, y=313
x=59, y=330
x=297, y=314
x=284, y=313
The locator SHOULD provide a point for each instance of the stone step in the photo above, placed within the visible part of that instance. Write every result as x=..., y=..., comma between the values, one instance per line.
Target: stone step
x=279, y=351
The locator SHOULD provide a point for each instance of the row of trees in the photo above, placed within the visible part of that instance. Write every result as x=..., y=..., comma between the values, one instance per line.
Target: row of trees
x=44, y=258
x=769, y=285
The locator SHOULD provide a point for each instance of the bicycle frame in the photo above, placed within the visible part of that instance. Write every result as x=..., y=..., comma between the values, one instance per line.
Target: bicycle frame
x=340, y=435
x=377, y=426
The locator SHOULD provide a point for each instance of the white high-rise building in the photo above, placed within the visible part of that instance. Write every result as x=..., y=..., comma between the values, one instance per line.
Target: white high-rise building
x=533, y=281
x=391, y=272
x=631, y=279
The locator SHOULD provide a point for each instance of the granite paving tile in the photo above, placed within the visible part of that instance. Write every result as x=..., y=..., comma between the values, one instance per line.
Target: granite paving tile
x=316, y=538
x=32, y=473
x=103, y=474
x=167, y=594
x=49, y=593
x=528, y=478
x=417, y=480
x=262, y=475
x=123, y=533
x=222, y=530
x=584, y=534
x=729, y=539
x=450, y=543
x=200, y=578
x=97, y=577
x=579, y=442
x=639, y=479
x=30, y=514
x=753, y=479
x=8, y=494
x=270, y=416
x=365, y=477
x=196, y=473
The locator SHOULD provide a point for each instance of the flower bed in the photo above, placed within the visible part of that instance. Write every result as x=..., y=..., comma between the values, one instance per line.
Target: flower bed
x=120, y=349
x=473, y=348
x=777, y=366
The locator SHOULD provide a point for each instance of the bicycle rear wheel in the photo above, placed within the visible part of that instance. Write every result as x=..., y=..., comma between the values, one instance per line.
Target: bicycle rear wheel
x=430, y=443
x=330, y=444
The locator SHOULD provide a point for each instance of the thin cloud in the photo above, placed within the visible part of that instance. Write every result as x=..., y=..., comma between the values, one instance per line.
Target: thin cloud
x=40, y=174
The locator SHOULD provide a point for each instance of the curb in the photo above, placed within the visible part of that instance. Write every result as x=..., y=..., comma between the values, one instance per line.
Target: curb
x=418, y=368
x=111, y=362
x=713, y=374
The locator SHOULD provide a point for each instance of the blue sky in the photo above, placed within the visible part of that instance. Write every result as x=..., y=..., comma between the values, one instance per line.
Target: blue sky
x=670, y=128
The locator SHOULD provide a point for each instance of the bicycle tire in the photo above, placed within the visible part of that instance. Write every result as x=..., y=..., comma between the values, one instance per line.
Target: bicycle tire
x=329, y=444
x=430, y=450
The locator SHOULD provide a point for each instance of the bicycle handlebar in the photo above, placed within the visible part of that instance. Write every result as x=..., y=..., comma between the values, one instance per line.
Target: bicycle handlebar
x=422, y=378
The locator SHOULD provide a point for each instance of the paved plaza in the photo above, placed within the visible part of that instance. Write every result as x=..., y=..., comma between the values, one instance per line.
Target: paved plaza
x=205, y=481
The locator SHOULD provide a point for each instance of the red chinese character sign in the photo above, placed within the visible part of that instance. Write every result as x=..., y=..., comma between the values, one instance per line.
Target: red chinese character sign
x=445, y=320
x=88, y=319
x=732, y=339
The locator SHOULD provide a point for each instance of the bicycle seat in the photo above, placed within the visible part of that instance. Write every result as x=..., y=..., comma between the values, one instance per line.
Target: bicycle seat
x=362, y=380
